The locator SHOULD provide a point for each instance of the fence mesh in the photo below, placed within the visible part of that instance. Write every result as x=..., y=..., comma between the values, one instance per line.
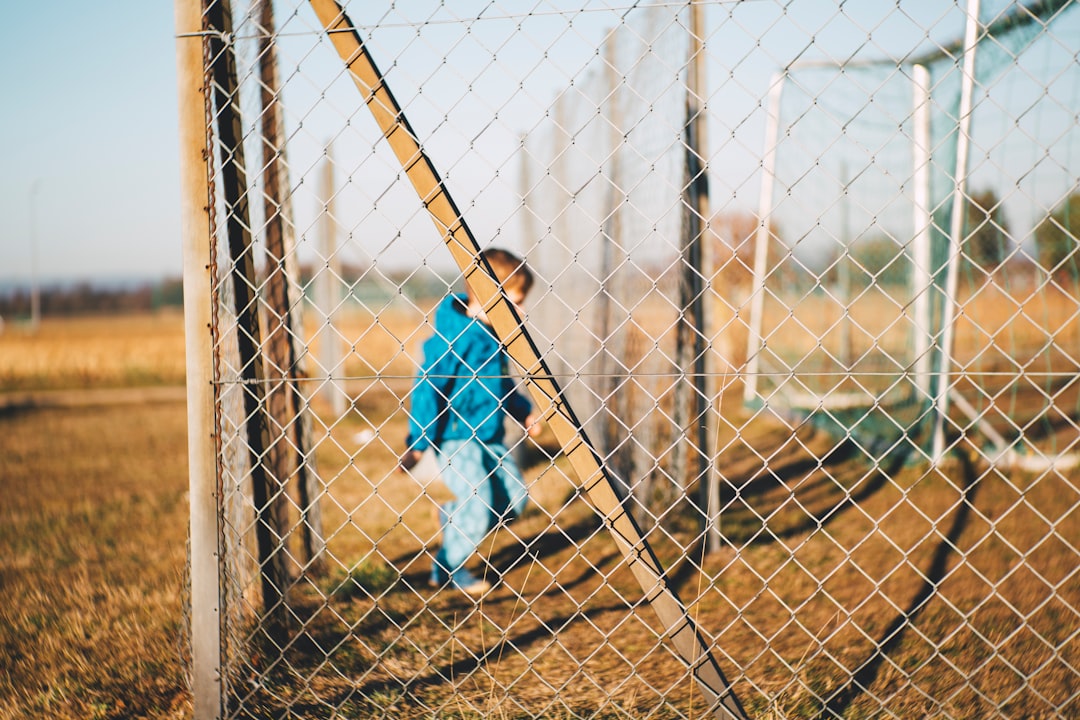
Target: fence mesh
x=805, y=282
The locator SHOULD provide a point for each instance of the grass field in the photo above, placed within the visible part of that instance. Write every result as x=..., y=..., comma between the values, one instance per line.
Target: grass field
x=93, y=520
x=841, y=587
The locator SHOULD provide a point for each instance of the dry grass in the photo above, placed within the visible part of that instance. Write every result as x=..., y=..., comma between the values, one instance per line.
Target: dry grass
x=123, y=351
x=93, y=519
x=843, y=588
x=92, y=534
x=949, y=592
x=996, y=328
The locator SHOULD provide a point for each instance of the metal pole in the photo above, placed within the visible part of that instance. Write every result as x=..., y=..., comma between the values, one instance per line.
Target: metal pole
x=956, y=227
x=202, y=455
x=755, y=341
x=921, y=258
x=846, y=352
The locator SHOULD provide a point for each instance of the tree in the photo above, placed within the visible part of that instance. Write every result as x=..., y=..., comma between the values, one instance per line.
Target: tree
x=878, y=259
x=1056, y=237
x=986, y=235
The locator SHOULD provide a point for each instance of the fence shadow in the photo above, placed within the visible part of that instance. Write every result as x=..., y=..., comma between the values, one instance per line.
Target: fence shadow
x=863, y=677
x=792, y=489
x=367, y=683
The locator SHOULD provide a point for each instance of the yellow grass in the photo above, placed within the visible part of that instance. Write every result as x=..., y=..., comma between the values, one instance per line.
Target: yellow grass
x=824, y=556
x=119, y=351
x=93, y=519
x=995, y=328
x=92, y=529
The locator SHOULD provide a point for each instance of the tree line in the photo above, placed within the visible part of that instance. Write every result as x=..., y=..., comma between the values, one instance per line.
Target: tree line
x=87, y=298
x=989, y=247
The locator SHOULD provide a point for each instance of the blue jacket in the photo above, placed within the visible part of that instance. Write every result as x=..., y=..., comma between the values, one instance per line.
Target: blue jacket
x=465, y=364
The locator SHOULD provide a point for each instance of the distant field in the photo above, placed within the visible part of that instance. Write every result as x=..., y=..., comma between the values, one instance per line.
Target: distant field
x=120, y=351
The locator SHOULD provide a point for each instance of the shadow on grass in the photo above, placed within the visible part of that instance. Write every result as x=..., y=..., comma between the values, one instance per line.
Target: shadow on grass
x=866, y=673
x=802, y=493
x=360, y=679
x=520, y=549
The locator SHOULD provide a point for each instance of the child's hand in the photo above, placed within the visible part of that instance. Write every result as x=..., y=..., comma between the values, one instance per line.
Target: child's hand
x=532, y=425
x=408, y=460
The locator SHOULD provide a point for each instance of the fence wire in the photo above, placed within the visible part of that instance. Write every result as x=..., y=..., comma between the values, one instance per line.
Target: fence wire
x=805, y=285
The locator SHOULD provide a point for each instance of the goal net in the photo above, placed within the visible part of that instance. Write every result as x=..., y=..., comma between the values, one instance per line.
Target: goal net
x=908, y=211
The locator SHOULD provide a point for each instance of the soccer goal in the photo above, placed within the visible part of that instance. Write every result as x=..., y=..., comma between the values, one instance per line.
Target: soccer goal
x=905, y=206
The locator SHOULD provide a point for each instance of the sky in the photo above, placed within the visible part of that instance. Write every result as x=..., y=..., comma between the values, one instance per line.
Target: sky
x=90, y=172
x=90, y=182
x=90, y=188
x=88, y=137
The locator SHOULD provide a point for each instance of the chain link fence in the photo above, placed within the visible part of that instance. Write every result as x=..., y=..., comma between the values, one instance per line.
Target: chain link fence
x=804, y=334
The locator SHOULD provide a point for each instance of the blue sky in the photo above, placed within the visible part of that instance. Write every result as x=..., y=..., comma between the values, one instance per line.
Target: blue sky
x=89, y=135
x=90, y=118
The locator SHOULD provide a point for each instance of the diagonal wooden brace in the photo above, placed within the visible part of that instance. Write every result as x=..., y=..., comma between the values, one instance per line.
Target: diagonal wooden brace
x=641, y=560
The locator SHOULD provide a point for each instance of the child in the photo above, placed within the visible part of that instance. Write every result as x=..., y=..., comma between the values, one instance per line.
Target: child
x=458, y=406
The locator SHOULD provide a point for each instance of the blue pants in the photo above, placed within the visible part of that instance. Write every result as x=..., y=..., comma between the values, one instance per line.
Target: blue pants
x=488, y=490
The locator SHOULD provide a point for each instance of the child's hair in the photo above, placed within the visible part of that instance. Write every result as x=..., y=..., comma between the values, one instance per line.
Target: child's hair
x=510, y=270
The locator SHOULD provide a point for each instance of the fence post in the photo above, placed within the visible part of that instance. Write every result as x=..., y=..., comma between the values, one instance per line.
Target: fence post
x=328, y=295
x=285, y=399
x=202, y=452
x=266, y=490
x=702, y=245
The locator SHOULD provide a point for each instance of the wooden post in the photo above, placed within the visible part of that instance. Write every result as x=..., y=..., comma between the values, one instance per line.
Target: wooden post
x=642, y=562
x=709, y=312
x=203, y=494
x=267, y=491
x=691, y=459
x=285, y=399
x=328, y=289
x=613, y=351
x=35, y=284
